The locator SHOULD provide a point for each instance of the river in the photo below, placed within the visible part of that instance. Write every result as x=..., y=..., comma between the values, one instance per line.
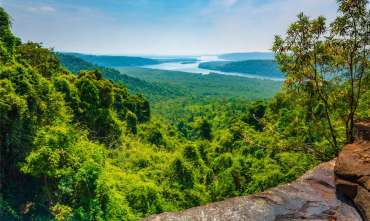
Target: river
x=193, y=68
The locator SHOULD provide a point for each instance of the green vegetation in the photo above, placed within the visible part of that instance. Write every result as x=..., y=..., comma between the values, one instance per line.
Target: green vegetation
x=328, y=67
x=115, y=61
x=77, y=146
x=153, y=91
x=161, y=85
x=207, y=86
x=267, y=68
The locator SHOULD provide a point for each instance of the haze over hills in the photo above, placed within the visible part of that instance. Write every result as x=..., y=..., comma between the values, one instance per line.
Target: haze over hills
x=154, y=91
x=242, y=56
x=267, y=68
x=113, y=61
x=209, y=85
x=164, y=84
x=103, y=137
x=255, y=68
x=129, y=61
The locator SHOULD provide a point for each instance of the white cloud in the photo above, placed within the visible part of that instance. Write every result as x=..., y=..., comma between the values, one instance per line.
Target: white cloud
x=42, y=8
x=217, y=27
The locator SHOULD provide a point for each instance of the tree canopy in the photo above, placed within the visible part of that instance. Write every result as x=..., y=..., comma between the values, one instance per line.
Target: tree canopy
x=80, y=146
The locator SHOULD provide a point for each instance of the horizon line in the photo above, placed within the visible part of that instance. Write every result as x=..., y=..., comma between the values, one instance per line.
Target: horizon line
x=162, y=55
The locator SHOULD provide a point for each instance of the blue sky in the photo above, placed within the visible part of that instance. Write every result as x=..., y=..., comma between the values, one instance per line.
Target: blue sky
x=177, y=27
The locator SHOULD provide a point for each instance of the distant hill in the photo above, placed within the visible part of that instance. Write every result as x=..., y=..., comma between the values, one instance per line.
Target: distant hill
x=267, y=68
x=115, y=61
x=248, y=56
x=75, y=64
x=128, y=61
x=153, y=91
x=177, y=60
x=211, y=85
x=160, y=85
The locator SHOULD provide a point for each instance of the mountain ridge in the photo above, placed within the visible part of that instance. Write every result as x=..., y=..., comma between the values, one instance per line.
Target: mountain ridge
x=114, y=61
x=267, y=68
x=242, y=56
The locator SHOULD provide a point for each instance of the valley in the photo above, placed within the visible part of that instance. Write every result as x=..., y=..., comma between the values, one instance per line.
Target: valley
x=261, y=69
x=208, y=85
x=115, y=124
x=205, y=64
x=157, y=84
x=258, y=69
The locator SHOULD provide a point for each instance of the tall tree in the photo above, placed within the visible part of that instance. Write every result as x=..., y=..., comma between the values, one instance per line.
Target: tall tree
x=325, y=67
x=7, y=40
x=349, y=40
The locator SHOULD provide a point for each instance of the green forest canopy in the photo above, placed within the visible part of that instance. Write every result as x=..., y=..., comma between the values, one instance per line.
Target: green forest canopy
x=153, y=91
x=115, y=61
x=162, y=85
x=80, y=147
x=207, y=86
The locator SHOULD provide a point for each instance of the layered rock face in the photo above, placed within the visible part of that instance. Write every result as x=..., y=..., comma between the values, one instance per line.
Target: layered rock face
x=336, y=191
x=352, y=170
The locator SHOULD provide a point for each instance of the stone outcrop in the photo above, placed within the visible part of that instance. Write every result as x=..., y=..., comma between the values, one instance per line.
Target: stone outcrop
x=352, y=170
x=362, y=131
x=312, y=197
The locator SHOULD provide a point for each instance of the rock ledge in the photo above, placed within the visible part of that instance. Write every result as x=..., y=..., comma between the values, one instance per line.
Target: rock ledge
x=352, y=170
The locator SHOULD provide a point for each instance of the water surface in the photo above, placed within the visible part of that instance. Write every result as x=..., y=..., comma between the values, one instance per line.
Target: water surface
x=193, y=68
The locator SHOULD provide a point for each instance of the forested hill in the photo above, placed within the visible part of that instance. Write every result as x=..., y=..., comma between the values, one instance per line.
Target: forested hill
x=82, y=147
x=115, y=61
x=268, y=68
x=161, y=85
x=154, y=91
x=217, y=86
x=243, y=56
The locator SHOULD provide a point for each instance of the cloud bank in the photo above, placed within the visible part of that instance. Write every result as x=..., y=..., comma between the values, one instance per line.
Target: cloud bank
x=160, y=26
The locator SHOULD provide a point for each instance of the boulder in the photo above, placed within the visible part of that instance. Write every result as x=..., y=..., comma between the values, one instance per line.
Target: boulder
x=362, y=202
x=352, y=172
x=312, y=197
x=362, y=131
x=353, y=161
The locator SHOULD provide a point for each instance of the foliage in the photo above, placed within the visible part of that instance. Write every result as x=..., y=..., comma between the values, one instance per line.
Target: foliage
x=8, y=41
x=116, y=61
x=154, y=91
x=55, y=131
x=160, y=85
x=82, y=147
x=210, y=86
x=326, y=66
